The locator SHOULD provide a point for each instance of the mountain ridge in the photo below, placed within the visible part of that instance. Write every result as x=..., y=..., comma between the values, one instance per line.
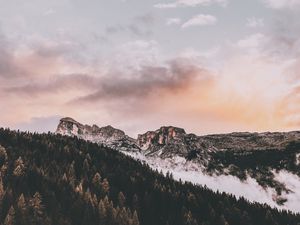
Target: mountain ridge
x=150, y=141
x=259, y=159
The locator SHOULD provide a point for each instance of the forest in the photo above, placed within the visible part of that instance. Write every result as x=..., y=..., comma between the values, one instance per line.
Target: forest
x=53, y=179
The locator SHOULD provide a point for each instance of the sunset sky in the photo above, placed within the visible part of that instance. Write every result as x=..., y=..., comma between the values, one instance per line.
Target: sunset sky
x=209, y=66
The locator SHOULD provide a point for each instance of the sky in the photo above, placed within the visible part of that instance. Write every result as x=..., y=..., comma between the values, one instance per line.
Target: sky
x=209, y=66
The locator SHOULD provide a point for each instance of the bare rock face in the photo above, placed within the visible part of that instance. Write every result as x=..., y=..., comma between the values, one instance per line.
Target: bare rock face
x=162, y=136
x=170, y=141
x=107, y=135
x=163, y=142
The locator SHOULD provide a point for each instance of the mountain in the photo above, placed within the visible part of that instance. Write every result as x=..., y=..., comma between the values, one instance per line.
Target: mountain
x=259, y=164
x=107, y=135
x=53, y=179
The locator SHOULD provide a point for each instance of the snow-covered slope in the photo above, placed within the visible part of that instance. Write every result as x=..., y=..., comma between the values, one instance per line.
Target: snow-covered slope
x=249, y=188
x=262, y=167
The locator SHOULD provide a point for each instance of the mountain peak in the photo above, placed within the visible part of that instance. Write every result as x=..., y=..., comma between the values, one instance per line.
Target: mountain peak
x=68, y=119
x=171, y=129
x=107, y=135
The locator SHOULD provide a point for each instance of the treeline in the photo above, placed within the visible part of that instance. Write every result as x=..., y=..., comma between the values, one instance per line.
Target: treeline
x=52, y=179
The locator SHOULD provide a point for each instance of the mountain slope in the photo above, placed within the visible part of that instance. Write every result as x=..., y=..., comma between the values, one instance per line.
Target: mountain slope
x=54, y=179
x=254, y=161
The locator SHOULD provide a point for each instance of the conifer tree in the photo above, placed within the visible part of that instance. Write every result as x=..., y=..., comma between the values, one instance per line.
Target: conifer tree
x=3, y=156
x=10, y=217
x=102, y=212
x=135, y=218
x=37, y=209
x=19, y=167
x=135, y=202
x=1, y=193
x=86, y=166
x=21, y=209
x=121, y=199
x=97, y=182
x=189, y=219
x=71, y=175
x=105, y=186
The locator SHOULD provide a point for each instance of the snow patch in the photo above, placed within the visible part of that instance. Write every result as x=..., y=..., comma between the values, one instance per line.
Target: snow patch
x=292, y=182
x=184, y=170
x=298, y=159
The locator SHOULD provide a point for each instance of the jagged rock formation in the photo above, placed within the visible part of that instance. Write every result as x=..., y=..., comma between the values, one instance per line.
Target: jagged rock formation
x=107, y=136
x=170, y=141
x=257, y=156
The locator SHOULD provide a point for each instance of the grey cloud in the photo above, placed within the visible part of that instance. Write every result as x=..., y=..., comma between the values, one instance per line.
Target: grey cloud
x=146, y=19
x=13, y=65
x=57, y=84
x=39, y=124
x=8, y=68
x=139, y=26
x=284, y=36
x=177, y=75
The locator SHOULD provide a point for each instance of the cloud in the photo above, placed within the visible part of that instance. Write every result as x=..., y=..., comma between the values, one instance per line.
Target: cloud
x=200, y=20
x=139, y=26
x=57, y=84
x=39, y=124
x=150, y=80
x=282, y=4
x=253, y=42
x=255, y=22
x=288, y=107
x=190, y=3
x=173, y=21
x=9, y=68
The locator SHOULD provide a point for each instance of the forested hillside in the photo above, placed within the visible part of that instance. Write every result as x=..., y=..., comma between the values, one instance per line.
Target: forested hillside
x=54, y=179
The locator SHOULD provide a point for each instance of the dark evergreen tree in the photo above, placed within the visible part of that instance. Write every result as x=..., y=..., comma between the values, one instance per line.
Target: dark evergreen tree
x=10, y=217
x=121, y=199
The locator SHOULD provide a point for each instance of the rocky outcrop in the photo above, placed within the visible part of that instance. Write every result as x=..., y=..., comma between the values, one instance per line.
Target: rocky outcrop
x=108, y=135
x=163, y=142
x=169, y=141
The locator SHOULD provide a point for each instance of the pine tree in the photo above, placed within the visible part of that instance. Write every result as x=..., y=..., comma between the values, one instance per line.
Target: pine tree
x=21, y=210
x=19, y=167
x=86, y=166
x=37, y=209
x=3, y=156
x=79, y=188
x=10, y=217
x=189, y=219
x=94, y=201
x=135, y=202
x=121, y=199
x=1, y=192
x=222, y=221
x=115, y=213
x=102, y=212
x=122, y=217
x=71, y=175
x=97, y=183
x=135, y=218
x=105, y=186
